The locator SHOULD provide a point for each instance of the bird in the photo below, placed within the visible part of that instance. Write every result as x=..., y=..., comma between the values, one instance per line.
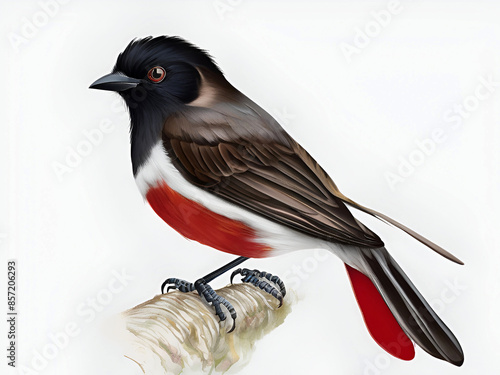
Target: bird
x=221, y=171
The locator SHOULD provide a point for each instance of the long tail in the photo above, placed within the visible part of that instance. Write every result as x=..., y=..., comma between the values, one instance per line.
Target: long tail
x=438, y=249
x=393, y=308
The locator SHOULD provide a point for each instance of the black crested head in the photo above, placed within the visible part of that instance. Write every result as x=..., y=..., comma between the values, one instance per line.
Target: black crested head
x=173, y=57
x=143, y=54
x=165, y=76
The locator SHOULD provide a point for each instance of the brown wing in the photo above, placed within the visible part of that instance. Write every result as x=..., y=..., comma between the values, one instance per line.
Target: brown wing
x=268, y=175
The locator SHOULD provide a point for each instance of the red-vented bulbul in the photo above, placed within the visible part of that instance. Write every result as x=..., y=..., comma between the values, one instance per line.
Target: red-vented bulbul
x=221, y=171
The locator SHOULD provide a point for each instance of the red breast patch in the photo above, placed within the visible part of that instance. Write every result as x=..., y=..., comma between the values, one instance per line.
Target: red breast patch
x=198, y=223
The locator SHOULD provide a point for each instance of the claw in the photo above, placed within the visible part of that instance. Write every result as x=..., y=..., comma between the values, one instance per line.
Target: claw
x=233, y=327
x=171, y=287
x=163, y=286
x=277, y=281
x=235, y=272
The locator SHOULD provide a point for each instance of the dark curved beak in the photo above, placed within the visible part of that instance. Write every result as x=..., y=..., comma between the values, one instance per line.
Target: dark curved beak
x=115, y=82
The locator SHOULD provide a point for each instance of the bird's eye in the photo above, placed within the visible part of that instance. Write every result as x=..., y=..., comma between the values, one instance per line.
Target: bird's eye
x=156, y=74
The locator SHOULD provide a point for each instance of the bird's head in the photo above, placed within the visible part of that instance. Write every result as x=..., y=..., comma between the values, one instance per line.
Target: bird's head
x=157, y=73
x=156, y=77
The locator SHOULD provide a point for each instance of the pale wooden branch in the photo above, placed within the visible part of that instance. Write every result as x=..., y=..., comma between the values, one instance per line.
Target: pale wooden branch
x=178, y=332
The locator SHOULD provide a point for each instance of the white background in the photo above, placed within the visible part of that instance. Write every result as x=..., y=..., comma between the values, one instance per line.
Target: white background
x=358, y=118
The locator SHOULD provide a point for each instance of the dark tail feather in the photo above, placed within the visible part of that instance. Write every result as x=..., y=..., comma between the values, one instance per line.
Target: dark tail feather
x=410, y=309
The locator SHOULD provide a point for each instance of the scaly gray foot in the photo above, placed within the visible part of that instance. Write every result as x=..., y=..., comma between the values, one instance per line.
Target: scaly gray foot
x=264, y=281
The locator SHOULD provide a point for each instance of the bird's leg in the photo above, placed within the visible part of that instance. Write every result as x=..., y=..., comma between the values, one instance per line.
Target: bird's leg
x=264, y=281
x=206, y=291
